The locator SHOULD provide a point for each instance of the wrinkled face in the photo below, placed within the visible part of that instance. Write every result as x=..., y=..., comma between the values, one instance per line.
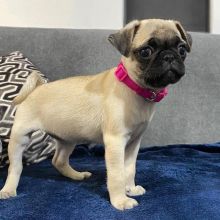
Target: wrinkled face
x=155, y=50
x=160, y=60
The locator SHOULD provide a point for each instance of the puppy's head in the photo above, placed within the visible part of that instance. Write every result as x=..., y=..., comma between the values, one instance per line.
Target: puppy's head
x=153, y=51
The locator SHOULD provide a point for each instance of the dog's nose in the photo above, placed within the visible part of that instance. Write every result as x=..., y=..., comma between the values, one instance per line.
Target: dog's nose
x=168, y=58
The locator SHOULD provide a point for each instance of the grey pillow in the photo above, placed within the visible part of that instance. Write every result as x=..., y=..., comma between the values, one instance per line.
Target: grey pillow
x=14, y=69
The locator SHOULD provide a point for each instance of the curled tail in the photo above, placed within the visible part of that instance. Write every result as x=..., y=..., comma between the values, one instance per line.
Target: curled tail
x=34, y=80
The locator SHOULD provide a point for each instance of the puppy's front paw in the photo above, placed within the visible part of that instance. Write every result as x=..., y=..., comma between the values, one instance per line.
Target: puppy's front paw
x=124, y=203
x=7, y=194
x=135, y=190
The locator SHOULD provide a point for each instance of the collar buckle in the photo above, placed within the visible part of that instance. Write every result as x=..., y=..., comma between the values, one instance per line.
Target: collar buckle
x=121, y=73
x=152, y=97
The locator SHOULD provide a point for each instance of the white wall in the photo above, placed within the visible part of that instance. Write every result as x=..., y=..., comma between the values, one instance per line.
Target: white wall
x=91, y=14
x=97, y=14
x=215, y=16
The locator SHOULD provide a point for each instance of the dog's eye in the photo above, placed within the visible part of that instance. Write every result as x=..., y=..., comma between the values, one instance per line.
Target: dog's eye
x=146, y=52
x=182, y=51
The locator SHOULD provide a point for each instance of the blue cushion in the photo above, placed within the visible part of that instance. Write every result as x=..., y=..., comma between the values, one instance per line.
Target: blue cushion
x=182, y=182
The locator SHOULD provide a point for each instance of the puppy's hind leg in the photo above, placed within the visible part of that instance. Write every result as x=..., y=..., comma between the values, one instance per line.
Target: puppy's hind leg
x=18, y=140
x=61, y=162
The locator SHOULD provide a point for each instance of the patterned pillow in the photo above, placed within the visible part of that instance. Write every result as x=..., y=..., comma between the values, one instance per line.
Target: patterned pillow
x=14, y=69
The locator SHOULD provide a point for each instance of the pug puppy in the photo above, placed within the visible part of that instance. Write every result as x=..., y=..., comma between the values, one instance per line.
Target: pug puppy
x=102, y=108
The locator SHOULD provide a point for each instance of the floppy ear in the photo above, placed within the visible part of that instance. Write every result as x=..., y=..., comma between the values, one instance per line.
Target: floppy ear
x=185, y=36
x=122, y=39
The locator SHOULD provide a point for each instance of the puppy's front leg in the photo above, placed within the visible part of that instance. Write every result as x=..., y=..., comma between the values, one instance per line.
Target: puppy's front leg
x=130, y=168
x=114, y=156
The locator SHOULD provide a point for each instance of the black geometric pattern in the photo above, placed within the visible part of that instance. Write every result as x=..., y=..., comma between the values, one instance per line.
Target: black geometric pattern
x=14, y=69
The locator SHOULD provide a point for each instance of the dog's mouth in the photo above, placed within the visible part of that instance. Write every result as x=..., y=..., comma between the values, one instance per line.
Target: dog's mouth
x=173, y=76
x=170, y=76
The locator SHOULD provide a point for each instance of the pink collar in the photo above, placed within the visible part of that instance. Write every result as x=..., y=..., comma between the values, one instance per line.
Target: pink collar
x=147, y=94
